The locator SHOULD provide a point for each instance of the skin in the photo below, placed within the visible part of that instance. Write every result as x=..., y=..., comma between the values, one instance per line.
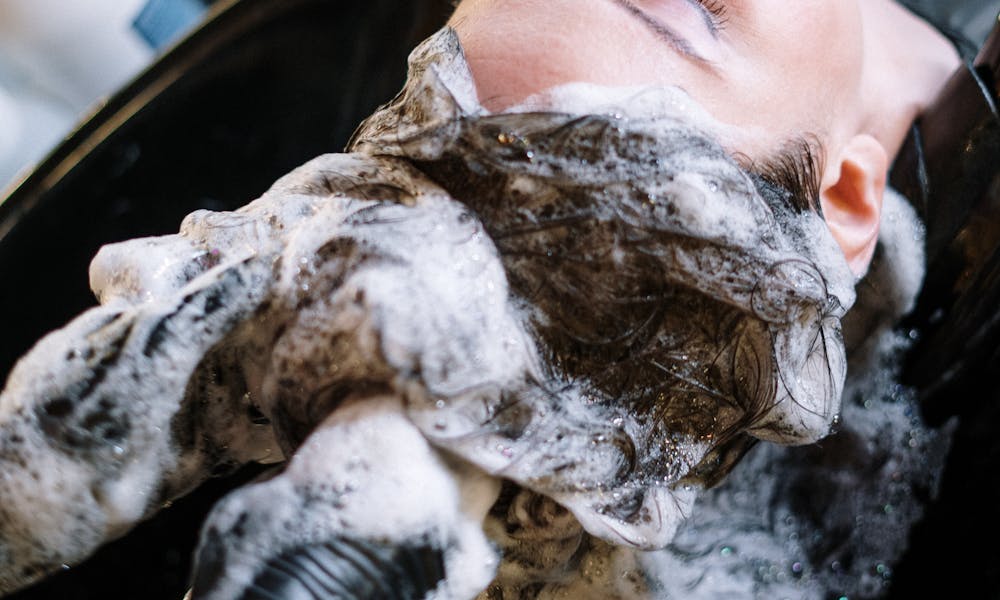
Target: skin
x=848, y=75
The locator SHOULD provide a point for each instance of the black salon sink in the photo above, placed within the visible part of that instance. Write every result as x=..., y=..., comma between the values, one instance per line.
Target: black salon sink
x=261, y=87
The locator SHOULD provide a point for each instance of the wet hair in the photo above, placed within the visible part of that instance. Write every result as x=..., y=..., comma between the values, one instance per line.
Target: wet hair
x=683, y=301
x=794, y=172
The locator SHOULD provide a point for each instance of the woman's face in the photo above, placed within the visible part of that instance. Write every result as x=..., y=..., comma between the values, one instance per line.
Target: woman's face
x=768, y=71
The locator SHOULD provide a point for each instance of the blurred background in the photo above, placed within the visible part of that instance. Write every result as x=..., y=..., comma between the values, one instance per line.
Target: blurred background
x=59, y=60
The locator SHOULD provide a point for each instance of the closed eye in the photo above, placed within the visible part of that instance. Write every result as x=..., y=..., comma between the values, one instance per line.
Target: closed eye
x=681, y=22
x=716, y=13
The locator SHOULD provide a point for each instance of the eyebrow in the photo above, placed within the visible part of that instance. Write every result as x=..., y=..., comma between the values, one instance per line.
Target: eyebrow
x=665, y=33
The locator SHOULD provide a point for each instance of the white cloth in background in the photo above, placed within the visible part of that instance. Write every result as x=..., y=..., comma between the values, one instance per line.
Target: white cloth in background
x=57, y=60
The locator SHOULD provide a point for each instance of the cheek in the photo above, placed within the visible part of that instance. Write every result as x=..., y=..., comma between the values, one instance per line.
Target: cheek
x=809, y=60
x=825, y=39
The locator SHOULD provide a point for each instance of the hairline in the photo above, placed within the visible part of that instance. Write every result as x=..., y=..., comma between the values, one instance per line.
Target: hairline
x=796, y=168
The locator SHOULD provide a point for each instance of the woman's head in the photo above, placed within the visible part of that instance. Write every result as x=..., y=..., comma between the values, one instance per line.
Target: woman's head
x=841, y=79
x=679, y=307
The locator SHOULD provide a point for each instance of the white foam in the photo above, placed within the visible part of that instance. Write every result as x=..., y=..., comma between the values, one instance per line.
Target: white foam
x=366, y=473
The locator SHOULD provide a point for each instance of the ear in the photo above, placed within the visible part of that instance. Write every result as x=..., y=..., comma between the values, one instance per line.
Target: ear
x=851, y=197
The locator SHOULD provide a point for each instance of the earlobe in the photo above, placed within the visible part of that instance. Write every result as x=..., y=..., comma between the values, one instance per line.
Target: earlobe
x=851, y=197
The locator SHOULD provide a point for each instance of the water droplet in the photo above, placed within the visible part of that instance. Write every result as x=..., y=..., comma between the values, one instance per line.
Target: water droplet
x=797, y=568
x=713, y=187
x=726, y=551
x=439, y=404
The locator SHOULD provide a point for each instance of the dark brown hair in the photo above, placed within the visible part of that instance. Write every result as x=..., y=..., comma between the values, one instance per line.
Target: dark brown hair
x=794, y=172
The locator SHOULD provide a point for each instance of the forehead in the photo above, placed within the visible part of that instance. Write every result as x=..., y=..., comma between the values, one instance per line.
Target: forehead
x=773, y=70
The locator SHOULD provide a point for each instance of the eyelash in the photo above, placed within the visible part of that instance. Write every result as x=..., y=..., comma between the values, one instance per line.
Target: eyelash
x=718, y=11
